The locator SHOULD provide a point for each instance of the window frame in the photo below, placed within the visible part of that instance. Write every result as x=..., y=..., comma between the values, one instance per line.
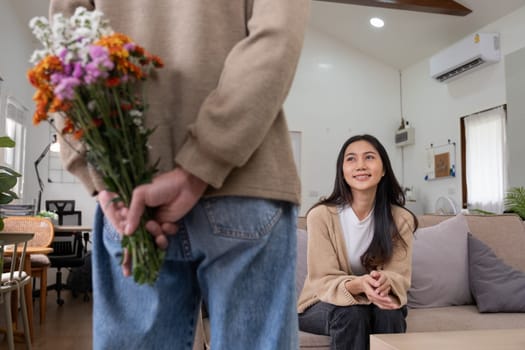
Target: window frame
x=463, y=140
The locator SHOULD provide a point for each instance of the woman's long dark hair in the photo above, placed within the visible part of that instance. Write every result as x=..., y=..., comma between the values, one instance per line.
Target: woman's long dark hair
x=388, y=193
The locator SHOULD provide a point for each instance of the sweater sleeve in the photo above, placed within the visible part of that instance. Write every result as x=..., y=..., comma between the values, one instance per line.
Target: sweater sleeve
x=67, y=7
x=399, y=268
x=253, y=85
x=326, y=257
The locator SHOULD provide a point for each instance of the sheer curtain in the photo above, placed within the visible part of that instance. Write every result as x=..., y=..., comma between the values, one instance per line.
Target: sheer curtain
x=15, y=128
x=486, y=162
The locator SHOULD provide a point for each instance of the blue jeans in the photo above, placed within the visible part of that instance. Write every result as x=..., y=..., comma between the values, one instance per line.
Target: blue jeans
x=235, y=254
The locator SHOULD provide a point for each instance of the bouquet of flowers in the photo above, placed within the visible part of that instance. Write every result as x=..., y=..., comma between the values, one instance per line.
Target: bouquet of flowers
x=93, y=77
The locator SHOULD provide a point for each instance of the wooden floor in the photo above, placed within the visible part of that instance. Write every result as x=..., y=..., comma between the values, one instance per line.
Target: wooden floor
x=66, y=327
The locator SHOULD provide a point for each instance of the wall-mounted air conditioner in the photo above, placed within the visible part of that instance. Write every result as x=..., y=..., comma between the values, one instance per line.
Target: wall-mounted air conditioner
x=475, y=51
x=405, y=137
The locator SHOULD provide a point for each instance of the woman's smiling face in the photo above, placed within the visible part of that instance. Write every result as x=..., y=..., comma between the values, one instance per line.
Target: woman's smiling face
x=362, y=167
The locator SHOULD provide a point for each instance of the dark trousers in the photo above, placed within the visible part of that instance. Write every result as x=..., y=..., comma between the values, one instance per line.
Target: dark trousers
x=350, y=326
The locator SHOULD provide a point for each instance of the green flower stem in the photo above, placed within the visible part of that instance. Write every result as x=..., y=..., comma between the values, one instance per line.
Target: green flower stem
x=125, y=132
x=118, y=150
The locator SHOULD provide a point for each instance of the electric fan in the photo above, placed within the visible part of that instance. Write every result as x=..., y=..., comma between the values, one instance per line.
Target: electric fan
x=445, y=206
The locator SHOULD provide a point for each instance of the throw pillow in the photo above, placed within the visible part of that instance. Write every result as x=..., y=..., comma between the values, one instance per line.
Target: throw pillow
x=440, y=265
x=496, y=286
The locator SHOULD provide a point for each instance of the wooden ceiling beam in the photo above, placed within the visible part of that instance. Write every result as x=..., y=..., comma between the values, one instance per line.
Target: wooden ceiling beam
x=446, y=7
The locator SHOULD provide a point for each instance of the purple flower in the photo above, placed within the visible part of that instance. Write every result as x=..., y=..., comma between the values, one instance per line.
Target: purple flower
x=93, y=73
x=99, y=66
x=97, y=52
x=62, y=55
x=130, y=46
x=56, y=78
x=68, y=69
x=65, y=89
x=78, y=70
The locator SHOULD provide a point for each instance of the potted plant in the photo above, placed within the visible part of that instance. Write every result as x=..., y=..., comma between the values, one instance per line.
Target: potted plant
x=50, y=215
x=8, y=178
x=515, y=201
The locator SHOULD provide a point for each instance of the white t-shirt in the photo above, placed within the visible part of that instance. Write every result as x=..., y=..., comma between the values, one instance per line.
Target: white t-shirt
x=358, y=236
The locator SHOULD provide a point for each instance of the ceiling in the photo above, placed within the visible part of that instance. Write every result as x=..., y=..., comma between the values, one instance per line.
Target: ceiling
x=407, y=37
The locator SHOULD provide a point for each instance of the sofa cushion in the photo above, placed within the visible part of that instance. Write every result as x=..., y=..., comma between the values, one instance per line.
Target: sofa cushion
x=313, y=341
x=301, y=268
x=460, y=318
x=504, y=233
x=440, y=265
x=496, y=286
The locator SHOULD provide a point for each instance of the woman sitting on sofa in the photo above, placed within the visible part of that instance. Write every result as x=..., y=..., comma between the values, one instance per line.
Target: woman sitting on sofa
x=359, y=251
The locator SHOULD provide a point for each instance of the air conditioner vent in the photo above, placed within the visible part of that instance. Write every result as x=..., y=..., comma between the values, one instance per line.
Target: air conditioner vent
x=404, y=137
x=466, y=67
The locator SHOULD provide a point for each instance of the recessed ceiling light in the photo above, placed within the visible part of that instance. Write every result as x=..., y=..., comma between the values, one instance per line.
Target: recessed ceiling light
x=324, y=65
x=377, y=22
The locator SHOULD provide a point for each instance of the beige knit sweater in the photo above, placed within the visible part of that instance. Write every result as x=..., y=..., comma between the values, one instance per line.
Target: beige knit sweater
x=217, y=103
x=328, y=268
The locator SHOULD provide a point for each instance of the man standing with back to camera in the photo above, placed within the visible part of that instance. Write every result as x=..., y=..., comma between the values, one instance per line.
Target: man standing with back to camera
x=227, y=178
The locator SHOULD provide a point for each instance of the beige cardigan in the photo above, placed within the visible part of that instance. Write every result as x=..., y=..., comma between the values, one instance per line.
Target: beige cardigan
x=328, y=268
x=217, y=103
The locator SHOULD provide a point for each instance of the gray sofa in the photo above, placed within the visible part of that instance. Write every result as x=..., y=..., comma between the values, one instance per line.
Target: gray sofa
x=505, y=234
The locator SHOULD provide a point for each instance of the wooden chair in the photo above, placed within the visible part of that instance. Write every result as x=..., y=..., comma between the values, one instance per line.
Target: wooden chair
x=43, y=236
x=15, y=281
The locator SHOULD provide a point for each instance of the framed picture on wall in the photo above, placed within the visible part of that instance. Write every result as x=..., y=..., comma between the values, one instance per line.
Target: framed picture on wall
x=442, y=164
x=441, y=161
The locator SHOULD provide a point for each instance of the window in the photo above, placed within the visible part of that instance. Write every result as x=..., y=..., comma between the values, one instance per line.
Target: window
x=15, y=128
x=484, y=160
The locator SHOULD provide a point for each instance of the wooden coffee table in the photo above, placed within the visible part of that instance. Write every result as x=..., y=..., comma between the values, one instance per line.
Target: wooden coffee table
x=489, y=339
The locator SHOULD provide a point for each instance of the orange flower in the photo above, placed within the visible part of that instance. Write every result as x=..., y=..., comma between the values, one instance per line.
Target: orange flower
x=78, y=134
x=69, y=127
x=157, y=61
x=39, y=76
x=98, y=122
x=112, y=81
x=126, y=106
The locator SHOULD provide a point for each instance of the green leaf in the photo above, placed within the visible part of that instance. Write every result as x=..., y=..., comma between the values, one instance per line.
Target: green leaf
x=7, y=182
x=9, y=171
x=515, y=201
x=7, y=195
x=6, y=141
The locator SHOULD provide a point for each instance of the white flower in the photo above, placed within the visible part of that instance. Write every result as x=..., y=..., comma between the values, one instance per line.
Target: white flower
x=92, y=105
x=38, y=55
x=73, y=34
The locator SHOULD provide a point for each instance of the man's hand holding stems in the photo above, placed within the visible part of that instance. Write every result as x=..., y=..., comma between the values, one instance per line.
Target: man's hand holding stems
x=173, y=194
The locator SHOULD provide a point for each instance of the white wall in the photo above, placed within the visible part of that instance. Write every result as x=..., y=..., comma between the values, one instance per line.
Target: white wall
x=339, y=92
x=16, y=47
x=434, y=109
x=515, y=87
x=351, y=93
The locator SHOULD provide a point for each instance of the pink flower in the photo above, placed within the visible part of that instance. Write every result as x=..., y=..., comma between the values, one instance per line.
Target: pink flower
x=65, y=89
x=99, y=66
